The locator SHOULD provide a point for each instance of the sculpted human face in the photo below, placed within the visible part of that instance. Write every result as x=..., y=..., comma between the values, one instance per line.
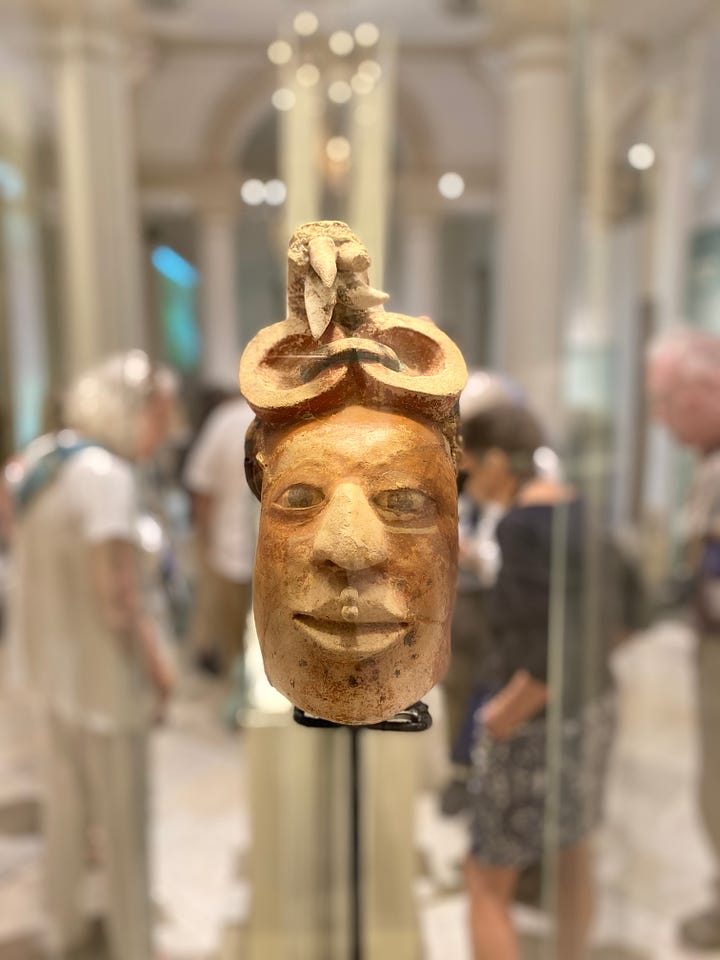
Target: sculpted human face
x=356, y=564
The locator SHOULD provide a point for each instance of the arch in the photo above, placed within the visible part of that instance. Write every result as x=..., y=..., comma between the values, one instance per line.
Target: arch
x=259, y=153
x=237, y=115
x=246, y=102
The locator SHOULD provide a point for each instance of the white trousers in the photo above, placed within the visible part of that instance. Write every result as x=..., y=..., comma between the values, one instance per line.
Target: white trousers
x=99, y=782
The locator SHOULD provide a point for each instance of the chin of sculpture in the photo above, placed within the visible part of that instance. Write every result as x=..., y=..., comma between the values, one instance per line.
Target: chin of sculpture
x=353, y=455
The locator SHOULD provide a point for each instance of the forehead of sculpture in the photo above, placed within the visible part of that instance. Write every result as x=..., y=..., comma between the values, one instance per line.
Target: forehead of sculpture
x=363, y=440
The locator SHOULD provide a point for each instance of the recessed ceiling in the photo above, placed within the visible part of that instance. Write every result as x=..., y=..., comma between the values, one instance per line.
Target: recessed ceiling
x=409, y=20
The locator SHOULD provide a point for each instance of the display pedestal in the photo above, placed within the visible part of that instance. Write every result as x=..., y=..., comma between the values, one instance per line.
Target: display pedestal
x=413, y=720
x=327, y=882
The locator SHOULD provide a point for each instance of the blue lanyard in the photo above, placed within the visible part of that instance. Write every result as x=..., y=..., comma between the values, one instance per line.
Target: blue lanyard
x=45, y=471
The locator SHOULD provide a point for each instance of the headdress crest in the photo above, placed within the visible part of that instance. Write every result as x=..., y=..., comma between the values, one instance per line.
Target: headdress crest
x=338, y=345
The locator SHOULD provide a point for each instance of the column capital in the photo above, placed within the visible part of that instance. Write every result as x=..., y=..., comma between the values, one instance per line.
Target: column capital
x=118, y=16
x=514, y=19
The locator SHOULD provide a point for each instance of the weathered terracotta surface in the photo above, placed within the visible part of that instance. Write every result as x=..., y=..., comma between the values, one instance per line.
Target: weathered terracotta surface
x=353, y=455
x=356, y=563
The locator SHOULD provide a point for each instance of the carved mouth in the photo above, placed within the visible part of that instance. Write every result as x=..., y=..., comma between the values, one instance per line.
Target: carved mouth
x=340, y=637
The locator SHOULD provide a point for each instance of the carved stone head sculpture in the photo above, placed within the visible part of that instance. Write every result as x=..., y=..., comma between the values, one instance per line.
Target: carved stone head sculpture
x=353, y=455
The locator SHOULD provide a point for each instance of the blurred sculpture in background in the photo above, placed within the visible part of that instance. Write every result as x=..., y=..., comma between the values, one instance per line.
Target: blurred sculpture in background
x=84, y=646
x=683, y=379
x=224, y=513
x=353, y=455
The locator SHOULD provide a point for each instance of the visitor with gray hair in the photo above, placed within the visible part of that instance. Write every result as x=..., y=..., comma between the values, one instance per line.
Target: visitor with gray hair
x=683, y=384
x=85, y=648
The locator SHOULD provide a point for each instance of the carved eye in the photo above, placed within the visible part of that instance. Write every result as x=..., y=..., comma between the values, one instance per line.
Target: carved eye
x=405, y=503
x=300, y=496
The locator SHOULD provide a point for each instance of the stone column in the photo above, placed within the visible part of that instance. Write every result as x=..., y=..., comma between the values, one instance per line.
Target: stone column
x=372, y=133
x=674, y=132
x=421, y=265
x=300, y=152
x=218, y=288
x=24, y=297
x=537, y=177
x=26, y=313
x=101, y=240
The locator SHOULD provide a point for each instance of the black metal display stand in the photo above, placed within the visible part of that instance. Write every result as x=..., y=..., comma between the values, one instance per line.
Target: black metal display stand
x=414, y=719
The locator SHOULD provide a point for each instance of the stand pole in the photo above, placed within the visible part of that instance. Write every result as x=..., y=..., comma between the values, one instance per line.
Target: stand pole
x=356, y=926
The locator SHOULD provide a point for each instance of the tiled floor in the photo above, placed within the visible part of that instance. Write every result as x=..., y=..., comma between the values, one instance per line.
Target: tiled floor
x=652, y=865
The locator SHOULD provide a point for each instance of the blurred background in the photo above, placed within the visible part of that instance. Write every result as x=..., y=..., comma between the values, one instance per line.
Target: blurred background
x=540, y=177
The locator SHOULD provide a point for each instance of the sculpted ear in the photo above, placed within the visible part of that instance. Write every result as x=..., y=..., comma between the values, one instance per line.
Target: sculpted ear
x=254, y=462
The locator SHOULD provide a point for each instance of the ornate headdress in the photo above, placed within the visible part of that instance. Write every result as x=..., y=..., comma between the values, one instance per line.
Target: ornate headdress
x=339, y=346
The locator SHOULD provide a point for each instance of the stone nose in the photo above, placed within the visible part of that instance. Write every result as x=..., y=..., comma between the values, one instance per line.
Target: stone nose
x=350, y=534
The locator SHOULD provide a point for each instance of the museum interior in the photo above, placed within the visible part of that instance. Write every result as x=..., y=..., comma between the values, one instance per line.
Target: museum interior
x=539, y=180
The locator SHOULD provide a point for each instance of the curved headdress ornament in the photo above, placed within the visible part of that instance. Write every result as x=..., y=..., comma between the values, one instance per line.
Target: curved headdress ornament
x=339, y=346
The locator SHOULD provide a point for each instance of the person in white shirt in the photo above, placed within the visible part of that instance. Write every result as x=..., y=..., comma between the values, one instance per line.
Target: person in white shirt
x=226, y=524
x=85, y=649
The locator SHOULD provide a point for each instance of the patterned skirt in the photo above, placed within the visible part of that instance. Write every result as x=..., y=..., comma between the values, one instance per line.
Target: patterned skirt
x=528, y=794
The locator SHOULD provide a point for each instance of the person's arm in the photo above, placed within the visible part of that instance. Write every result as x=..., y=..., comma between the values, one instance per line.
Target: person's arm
x=200, y=476
x=201, y=473
x=6, y=510
x=203, y=505
x=106, y=505
x=115, y=583
x=697, y=582
x=521, y=600
x=522, y=698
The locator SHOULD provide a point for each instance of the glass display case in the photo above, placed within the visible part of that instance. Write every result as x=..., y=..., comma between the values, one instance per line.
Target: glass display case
x=419, y=745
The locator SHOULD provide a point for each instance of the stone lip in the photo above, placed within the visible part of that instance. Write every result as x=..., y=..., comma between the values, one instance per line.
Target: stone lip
x=360, y=639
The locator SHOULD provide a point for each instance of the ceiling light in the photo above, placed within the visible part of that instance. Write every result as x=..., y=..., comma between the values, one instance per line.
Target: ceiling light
x=339, y=91
x=307, y=75
x=253, y=192
x=279, y=52
x=275, y=192
x=283, y=99
x=305, y=23
x=451, y=186
x=641, y=156
x=366, y=34
x=341, y=43
x=371, y=68
x=338, y=149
